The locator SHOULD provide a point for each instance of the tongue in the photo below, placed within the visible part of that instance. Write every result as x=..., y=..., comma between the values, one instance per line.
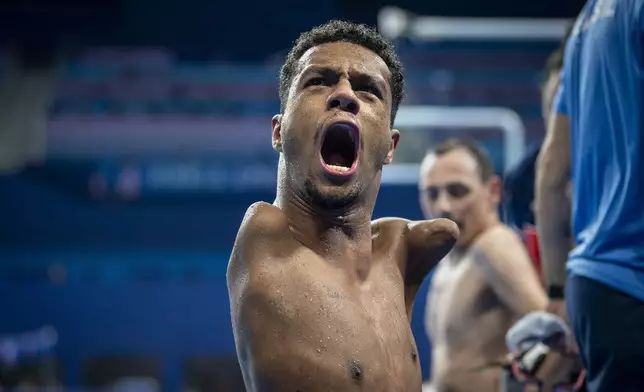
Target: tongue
x=336, y=160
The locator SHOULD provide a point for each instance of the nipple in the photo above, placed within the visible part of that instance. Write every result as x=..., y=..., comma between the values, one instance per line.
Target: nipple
x=356, y=370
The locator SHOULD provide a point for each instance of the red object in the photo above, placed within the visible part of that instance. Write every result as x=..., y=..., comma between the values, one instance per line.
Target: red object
x=532, y=244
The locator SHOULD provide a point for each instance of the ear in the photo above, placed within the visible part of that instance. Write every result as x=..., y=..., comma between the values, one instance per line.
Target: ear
x=496, y=189
x=395, y=136
x=276, y=136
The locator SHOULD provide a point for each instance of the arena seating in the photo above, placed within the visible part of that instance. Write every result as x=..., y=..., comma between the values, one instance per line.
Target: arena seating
x=121, y=82
x=147, y=277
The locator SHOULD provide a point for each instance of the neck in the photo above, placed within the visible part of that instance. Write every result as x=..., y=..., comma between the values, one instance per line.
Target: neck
x=339, y=236
x=488, y=221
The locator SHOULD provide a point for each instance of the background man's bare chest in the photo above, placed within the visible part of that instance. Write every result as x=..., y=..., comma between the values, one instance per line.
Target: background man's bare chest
x=459, y=297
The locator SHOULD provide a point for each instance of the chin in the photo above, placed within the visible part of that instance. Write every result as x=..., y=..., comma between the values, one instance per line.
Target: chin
x=332, y=197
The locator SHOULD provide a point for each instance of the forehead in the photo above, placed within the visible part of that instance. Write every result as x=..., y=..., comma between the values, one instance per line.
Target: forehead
x=455, y=166
x=347, y=57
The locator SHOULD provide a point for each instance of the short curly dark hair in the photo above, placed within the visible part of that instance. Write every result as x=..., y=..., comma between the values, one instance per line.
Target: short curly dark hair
x=342, y=31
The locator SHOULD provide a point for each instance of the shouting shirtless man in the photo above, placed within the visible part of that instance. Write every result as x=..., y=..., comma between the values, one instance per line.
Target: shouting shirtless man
x=320, y=296
x=485, y=283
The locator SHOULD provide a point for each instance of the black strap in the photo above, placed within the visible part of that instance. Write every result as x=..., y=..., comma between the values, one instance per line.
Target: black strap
x=556, y=292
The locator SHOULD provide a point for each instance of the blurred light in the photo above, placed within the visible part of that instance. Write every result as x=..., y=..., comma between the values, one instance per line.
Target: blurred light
x=395, y=22
x=392, y=22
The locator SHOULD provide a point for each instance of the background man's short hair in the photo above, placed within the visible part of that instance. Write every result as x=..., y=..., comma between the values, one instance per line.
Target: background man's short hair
x=478, y=152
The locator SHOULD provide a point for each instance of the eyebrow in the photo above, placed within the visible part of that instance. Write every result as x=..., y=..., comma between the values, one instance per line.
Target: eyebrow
x=379, y=81
x=452, y=183
x=316, y=69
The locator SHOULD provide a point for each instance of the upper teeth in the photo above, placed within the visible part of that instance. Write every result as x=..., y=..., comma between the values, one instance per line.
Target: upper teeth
x=338, y=168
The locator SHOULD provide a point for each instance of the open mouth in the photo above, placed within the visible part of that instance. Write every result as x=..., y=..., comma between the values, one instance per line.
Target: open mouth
x=339, y=152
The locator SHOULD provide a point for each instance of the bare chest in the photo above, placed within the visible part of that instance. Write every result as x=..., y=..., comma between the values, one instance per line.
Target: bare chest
x=462, y=305
x=330, y=333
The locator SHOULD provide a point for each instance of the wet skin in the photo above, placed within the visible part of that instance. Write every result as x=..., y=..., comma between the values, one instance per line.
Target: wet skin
x=320, y=295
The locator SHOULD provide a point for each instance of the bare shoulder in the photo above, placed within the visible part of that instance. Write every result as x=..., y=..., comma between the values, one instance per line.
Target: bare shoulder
x=433, y=232
x=387, y=233
x=499, y=236
x=423, y=227
x=388, y=225
x=501, y=242
x=262, y=219
x=428, y=242
x=436, y=235
x=261, y=236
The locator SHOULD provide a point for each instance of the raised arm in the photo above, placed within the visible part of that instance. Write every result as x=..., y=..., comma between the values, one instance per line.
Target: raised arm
x=506, y=265
x=416, y=246
x=428, y=242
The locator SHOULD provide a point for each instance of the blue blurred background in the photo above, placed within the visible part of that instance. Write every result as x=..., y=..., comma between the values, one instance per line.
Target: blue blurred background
x=135, y=133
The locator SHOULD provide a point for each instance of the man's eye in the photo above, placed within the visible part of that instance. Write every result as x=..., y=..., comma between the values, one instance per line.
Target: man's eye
x=457, y=190
x=371, y=90
x=432, y=193
x=314, y=82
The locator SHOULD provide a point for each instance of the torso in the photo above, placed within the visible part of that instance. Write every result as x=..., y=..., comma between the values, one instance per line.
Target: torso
x=467, y=325
x=304, y=325
x=606, y=134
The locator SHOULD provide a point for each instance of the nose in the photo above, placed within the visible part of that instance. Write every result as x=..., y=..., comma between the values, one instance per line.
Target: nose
x=443, y=206
x=343, y=98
